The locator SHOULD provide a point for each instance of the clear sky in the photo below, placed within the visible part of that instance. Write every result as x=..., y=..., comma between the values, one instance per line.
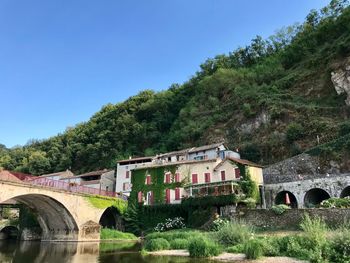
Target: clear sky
x=62, y=60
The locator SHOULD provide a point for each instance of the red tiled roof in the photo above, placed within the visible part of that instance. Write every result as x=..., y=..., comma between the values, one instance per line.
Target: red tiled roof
x=236, y=160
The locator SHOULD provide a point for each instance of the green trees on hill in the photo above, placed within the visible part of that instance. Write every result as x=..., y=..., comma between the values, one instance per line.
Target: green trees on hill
x=271, y=99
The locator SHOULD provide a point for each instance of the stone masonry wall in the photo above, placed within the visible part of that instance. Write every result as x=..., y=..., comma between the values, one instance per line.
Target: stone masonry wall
x=290, y=219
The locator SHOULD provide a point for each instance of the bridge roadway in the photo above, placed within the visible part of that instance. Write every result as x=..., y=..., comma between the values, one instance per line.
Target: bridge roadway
x=63, y=215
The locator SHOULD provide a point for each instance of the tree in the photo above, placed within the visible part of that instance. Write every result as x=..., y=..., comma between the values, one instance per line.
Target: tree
x=38, y=163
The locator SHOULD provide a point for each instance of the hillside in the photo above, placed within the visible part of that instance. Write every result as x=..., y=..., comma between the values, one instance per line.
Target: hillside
x=272, y=99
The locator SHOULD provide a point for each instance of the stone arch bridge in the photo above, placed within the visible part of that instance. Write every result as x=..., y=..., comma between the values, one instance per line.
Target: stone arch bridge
x=62, y=215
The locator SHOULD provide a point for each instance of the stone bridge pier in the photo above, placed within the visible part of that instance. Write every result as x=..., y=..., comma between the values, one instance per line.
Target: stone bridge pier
x=62, y=215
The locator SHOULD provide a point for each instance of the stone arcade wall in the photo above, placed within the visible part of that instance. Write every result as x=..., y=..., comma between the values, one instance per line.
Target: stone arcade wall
x=289, y=219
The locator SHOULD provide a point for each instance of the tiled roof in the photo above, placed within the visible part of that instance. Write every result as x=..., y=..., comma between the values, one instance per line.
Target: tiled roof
x=205, y=147
x=236, y=160
x=136, y=159
x=174, y=163
x=93, y=173
x=64, y=174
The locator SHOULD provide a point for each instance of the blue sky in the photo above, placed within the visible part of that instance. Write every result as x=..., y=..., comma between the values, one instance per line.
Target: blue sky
x=62, y=60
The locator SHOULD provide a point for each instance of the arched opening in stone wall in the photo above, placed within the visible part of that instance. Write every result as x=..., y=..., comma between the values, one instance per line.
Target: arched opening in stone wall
x=287, y=198
x=314, y=197
x=112, y=219
x=9, y=232
x=55, y=221
x=345, y=192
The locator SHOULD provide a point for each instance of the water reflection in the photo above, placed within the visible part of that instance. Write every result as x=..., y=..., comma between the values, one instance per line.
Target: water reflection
x=71, y=252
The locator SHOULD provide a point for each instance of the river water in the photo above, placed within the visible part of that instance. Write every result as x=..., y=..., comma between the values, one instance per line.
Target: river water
x=72, y=252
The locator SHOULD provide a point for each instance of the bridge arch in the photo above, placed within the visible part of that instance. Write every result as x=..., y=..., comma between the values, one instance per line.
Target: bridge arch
x=345, y=192
x=55, y=220
x=315, y=196
x=111, y=218
x=9, y=232
x=282, y=196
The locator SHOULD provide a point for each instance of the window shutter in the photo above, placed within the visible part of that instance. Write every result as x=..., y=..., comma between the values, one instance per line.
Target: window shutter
x=223, y=176
x=194, y=179
x=177, y=193
x=237, y=173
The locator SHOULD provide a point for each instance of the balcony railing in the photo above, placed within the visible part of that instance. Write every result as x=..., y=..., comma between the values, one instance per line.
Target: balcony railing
x=213, y=189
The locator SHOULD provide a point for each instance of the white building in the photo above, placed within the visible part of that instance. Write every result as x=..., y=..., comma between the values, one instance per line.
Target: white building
x=123, y=173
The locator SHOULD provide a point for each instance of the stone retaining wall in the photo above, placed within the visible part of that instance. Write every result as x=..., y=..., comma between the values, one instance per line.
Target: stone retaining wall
x=290, y=219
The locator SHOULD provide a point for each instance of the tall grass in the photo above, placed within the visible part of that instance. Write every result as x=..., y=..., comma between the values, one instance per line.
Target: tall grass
x=233, y=233
x=201, y=247
x=107, y=233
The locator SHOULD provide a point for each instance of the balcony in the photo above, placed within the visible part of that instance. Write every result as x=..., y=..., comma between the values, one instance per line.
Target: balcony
x=213, y=189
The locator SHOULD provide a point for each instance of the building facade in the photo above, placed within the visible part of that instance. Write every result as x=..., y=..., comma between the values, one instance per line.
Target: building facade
x=201, y=171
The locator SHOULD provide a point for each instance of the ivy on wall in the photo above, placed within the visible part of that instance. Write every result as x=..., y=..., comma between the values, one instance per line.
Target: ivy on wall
x=248, y=186
x=103, y=202
x=157, y=186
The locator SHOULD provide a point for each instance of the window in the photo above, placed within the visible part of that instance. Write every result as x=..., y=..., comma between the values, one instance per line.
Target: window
x=167, y=196
x=127, y=174
x=223, y=176
x=139, y=197
x=237, y=173
x=177, y=177
x=148, y=179
x=177, y=193
x=167, y=178
x=194, y=179
x=207, y=177
x=150, y=198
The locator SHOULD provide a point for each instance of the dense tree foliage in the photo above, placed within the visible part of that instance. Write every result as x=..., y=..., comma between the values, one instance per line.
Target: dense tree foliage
x=271, y=99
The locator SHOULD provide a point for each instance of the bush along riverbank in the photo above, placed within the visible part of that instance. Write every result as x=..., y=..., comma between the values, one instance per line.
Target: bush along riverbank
x=316, y=242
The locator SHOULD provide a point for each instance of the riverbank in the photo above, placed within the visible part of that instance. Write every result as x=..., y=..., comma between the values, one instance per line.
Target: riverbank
x=227, y=257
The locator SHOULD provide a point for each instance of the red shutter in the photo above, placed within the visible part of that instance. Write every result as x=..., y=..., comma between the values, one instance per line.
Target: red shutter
x=223, y=176
x=127, y=174
x=237, y=173
x=139, y=197
x=167, y=178
x=177, y=193
x=167, y=196
x=194, y=179
x=177, y=177
x=148, y=179
x=207, y=177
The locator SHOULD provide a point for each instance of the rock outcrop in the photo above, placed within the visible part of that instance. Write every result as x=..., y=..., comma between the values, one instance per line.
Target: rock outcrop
x=341, y=80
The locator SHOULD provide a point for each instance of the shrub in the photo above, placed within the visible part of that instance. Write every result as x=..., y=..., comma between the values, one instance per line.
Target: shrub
x=335, y=202
x=295, y=131
x=271, y=247
x=218, y=224
x=315, y=228
x=239, y=248
x=107, y=233
x=253, y=249
x=179, y=243
x=279, y=209
x=340, y=248
x=170, y=223
x=233, y=233
x=201, y=247
x=156, y=244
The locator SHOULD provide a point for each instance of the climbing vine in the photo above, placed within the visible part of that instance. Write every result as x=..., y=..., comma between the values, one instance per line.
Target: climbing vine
x=157, y=186
x=248, y=186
